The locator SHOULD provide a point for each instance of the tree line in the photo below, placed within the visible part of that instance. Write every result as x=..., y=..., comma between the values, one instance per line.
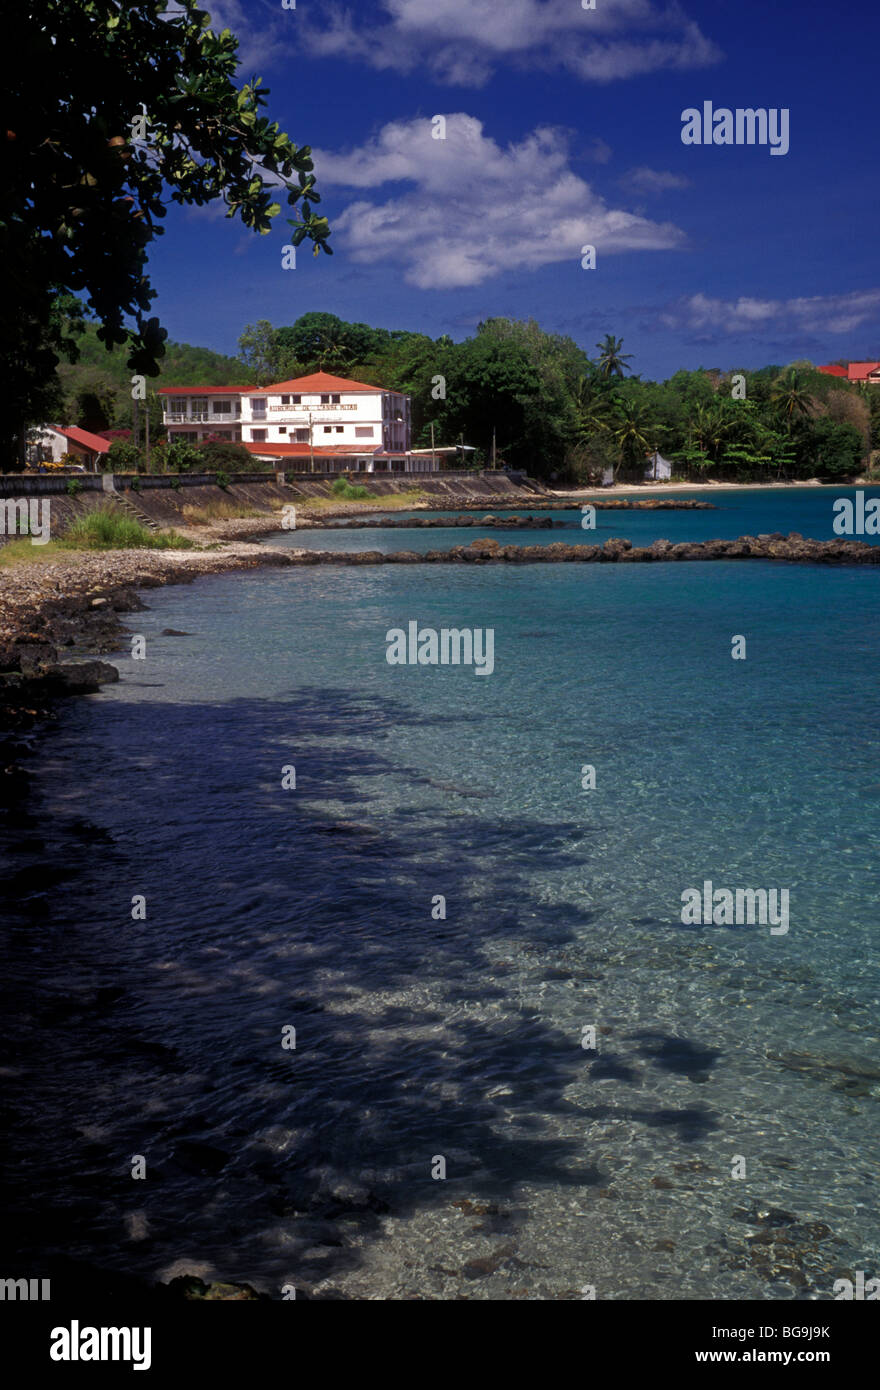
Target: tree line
x=520, y=396
x=536, y=400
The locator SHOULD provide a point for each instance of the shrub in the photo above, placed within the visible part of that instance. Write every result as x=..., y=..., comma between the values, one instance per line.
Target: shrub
x=223, y=454
x=123, y=457
x=74, y=487
x=222, y=479
x=342, y=488
x=108, y=529
x=181, y=457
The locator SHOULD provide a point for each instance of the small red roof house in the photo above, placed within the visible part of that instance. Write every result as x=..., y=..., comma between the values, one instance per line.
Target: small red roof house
x=53, y=441
x=868, y=372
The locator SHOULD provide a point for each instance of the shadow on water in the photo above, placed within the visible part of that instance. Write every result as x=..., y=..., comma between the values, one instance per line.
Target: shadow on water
x=162, y=1037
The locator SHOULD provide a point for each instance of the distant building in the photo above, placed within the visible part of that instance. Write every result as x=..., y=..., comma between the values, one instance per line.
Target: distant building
x=657, y=468
x=867, y=372
x=318, y=422
x=51, y=442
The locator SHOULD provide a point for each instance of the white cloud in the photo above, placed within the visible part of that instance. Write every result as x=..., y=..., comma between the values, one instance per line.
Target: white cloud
x=474, y=209
x=831, y=313
x=462, y=41
x=644, y=180
x=599, y=150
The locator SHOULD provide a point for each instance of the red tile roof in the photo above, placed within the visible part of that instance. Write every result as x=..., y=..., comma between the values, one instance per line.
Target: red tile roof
x=320, y=450
x=317, y=382
x=321, y=381
x=303, y=450
x=83, y=438
x=208, y=390
x=856, y=371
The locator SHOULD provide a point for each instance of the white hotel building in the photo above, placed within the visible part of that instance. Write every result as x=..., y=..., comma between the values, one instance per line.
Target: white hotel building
x=318, y=423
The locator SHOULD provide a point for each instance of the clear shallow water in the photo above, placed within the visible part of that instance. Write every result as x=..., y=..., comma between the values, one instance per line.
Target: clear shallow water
x=737, y=513
x=460, y=1038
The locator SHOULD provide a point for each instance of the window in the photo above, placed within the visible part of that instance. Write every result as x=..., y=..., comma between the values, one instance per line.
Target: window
x=301, y=436
x=296, y=400
x=339, y=429
x=198, y=405
x=258, y=436
x=325, y=400
x=258, y=407
x=222, y=407
x=285, y=400
x=363, y=432
x=282, y=429
x=328, y=429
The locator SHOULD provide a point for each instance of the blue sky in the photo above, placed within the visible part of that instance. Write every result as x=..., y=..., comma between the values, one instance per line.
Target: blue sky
x=563, y=128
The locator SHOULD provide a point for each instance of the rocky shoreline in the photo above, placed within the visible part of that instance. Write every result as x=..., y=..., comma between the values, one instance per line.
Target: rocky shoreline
x=793, y=548
x=560, y=503
x=497, y=522
x=52, y=615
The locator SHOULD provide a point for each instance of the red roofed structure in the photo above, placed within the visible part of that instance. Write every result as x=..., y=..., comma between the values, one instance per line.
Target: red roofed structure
x=332, y=422
x=54, y=441
x=867, y=372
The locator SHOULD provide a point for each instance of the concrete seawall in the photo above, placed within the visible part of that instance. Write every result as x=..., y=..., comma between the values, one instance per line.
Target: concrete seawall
x=160, y=500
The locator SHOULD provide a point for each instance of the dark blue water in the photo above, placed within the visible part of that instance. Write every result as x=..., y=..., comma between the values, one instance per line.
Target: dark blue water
x=459, y=1038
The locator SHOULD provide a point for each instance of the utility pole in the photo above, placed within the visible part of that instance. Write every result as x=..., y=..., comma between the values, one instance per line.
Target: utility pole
x=494, y=451
x=147, y=433
x=433, y=455
x=311, y=447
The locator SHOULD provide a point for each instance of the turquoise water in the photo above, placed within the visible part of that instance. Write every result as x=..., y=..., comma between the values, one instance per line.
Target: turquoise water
x=737, y=513
x=420, y=1037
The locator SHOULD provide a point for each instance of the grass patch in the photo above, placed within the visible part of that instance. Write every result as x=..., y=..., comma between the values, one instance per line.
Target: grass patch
x=106, y=529
x=21, y=552
x=218, y=511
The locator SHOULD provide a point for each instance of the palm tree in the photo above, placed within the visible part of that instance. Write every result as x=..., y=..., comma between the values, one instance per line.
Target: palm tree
x=612, y=362
x=594, y=407
x=708, y=428
x=790, y=399
x=632, y=431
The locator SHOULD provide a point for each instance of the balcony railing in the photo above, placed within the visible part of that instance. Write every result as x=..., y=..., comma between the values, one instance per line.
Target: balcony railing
x=199, y=417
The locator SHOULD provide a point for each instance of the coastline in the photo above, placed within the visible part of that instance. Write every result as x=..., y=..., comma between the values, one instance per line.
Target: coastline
x=57, y=613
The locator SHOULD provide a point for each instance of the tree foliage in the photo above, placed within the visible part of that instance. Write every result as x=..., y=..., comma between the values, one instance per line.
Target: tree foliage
x=116, y=111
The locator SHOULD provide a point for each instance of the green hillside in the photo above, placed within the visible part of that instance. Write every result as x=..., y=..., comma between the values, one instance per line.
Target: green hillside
x=97, y=387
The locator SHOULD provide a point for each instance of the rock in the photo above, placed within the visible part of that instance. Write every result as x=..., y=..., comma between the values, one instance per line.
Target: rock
x=174, y=632
x=191, y=1288
x=79, y=677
